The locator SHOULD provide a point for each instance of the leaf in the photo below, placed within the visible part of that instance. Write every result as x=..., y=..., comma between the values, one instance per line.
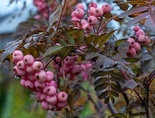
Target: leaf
x=55, y=15
x=100, y=80
x=104, y=63
x=66, y=51
x=98, y=74
x=102, y=86
x=10, y=47
x=69, y=37
x=123, y=48
x=91, y=55
x=133, y=10
x=74, y=96
x=134, y=115
x=150, y=22
x=53, y=50
x=119, y=115
x=105, y=38
x=107, y=99
x=99, y=39
x=130, y=84
x=137, y=19
x=123, y=7
x=113, y=93
x=103, y=95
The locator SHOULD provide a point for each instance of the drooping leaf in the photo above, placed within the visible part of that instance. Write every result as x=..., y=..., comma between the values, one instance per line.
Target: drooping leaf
x=103, y=95
x=104, y=63
x=101, y=86
x=132, y=11
x=100, y=80
x=123, y=48
x=55, y=15
x=130, y=84
x=137, y=18
x=99, y=39
x=150, y=22
x=10, y=47
x=74, y=96
x=53, y=50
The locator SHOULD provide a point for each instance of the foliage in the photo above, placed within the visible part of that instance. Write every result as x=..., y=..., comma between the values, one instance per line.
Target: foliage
x=118, y=83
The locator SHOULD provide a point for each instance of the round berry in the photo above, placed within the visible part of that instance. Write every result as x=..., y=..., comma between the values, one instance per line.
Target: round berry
x=79, y=13
x=17, y=56
x=37, y=66
x=87, y=28
x=41, y=76
x=80, y=5
x=52, y=99
x=137, y=46
x=98, y=12
x=106, y=8
x=62, y=96
x=49, y=76
x=92, y=20
x=131, y=52
x=141, y=38
x=20, y=64
x=93, y=4
x=136, y=28
x=131, y=41
x=28, y=59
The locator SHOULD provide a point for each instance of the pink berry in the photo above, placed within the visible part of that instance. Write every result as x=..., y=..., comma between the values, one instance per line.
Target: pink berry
x=131, y=52
x=51, y=90
x=147, y=41
x=17, y=56
x=37, y=66
x=106, y=8
x=80, y=5
x=87, y=28
x=29, y=84
x=137, y=46
x=141, y=38
x=31, y=77
x=49, y=76
x=52, y=99
x=43, y=97
x=73, y=14
x=98, y=12
x=52, y=83
x=131, y=41
x=83, y=22
x=22, y=82
x=140, y=32
x=61, y=104
x=93, y=4
x=92, y=11
x=30, y=70
x=62, y=96
x=20, y=64
x=75, y=21
x=92, y=20
x=76, y=69
x=79, y=13
x=18, y=71
x=69, y=60
x=84, y=75
x=41, y=76
x=39, y=86
x=136, y=28
x=45, y=105
x=28, y=59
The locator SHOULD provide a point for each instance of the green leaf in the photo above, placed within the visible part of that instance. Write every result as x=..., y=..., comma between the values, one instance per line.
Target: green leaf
x=100, y=80
x=65, y=52
x=113, y=93
x=69, y=37
x=105, y=38
x=119, y=115
x=107, y=99
x=99, y=39
x=135, y=115
x=53, y=50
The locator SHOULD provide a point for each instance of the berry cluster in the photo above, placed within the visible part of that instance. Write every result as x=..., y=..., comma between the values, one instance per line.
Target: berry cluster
x=42, y=8
x=41, y=82
x=135, y=44
x=69, y=67
x=80, y=19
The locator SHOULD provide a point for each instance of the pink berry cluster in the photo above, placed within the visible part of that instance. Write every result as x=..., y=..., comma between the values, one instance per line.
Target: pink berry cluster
x=41, y=82
x=135, y=44
x=69, y=67
x=88, y=19
x=42, y=8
